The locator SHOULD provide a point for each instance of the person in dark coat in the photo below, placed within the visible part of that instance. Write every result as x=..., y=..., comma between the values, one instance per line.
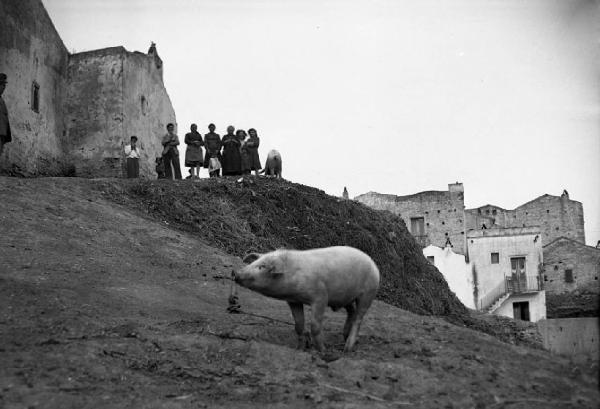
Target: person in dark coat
x=252, y=147
x=5, y=134
x=232, y=159
x=193, y=152
x=212, y=144
x=245, y=157
x=170, y=153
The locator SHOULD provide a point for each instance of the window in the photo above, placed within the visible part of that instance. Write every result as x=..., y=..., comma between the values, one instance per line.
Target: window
x=494, y=212
x=495, y=258
x=431, y=259
x=568, y=276
x=417, y=226
x=35, y=97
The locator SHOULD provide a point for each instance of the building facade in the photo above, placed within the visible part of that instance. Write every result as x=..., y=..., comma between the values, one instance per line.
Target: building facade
x=556, y=216
x=432, y=217
x=502, y=275
x=459, y=274
x=440, y=217
x=73, y=113
x=571, y=266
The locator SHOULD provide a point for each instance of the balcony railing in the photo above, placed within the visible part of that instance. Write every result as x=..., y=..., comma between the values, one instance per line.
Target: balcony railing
x=523, y=284
x=510, y=285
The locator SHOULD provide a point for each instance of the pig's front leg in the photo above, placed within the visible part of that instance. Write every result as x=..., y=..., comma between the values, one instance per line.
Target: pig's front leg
x=316, y=326
x=298, y=314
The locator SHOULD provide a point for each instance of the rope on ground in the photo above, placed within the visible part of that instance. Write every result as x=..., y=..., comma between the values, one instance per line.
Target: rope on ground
x=234, y=303
x=366, y=395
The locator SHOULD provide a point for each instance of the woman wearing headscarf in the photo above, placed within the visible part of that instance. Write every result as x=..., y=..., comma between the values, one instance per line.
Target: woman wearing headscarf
x=212, y=144
x=232, y=159
x=245, y=157
x=252, y=147
x=193, y=152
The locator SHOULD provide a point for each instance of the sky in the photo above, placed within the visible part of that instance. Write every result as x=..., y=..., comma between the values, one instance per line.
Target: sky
x=391, y=96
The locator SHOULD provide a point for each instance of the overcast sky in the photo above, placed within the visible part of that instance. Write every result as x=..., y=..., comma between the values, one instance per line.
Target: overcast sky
x=388, y=96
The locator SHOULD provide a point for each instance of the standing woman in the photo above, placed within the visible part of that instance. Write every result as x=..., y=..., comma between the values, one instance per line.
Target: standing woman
x=193, y=152
x=212, y=144
x=244, y=156
x=232, y=160
x=252, y=147
x=170, y=153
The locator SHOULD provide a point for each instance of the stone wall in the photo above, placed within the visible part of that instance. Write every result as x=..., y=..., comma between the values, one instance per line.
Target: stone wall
x=556, y=216
x=147, y=108
x=443, y=213
x=94, y=112
x=566, y=254
x=112, y=95
x=31, y=51
x=573, y=337
x=90, y=103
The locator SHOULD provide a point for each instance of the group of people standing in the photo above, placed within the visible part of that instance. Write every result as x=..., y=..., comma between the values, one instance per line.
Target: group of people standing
x=236, y=153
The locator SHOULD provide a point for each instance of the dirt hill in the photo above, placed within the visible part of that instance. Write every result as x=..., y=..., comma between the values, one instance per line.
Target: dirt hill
x=265, y=214
x=105, y=305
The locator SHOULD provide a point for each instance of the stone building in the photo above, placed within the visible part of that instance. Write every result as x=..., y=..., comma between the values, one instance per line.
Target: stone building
x=557, y=216
x=72, y=113
x=571, y=266
x=440, y=217
x=433, y=217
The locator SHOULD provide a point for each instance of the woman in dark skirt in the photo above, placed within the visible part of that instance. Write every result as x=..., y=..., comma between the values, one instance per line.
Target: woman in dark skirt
x=252, y=147
x=245, y=158
x=232, y=159
x=193, y=152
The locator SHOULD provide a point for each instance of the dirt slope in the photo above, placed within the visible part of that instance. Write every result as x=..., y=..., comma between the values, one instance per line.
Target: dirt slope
x=265, y=214
x=101, y=307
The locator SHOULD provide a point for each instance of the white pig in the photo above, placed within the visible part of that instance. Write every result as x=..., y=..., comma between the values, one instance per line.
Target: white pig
x=273, y=164
x=333, y=276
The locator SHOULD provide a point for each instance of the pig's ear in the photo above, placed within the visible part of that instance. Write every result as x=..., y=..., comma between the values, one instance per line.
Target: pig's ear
x=250, y=258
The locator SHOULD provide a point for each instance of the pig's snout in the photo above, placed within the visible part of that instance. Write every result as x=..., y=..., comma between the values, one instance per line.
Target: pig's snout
x=239, y=277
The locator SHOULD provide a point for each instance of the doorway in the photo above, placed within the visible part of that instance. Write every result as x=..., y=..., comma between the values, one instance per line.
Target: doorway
x=521, y=311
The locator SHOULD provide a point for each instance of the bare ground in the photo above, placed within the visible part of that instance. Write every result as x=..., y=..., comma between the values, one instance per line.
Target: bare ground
x=101, y=307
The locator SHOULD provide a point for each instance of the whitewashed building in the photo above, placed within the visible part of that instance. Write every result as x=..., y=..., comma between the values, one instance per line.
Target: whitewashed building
x=501, y=273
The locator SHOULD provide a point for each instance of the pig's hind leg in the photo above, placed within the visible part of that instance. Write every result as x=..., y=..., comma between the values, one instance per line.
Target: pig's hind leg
x=362, y=305
x=351, y=310
x=298, y=314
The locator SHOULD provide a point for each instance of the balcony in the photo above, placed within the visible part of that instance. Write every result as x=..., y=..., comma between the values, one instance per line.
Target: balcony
x=523, y=284
x=518, y=284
